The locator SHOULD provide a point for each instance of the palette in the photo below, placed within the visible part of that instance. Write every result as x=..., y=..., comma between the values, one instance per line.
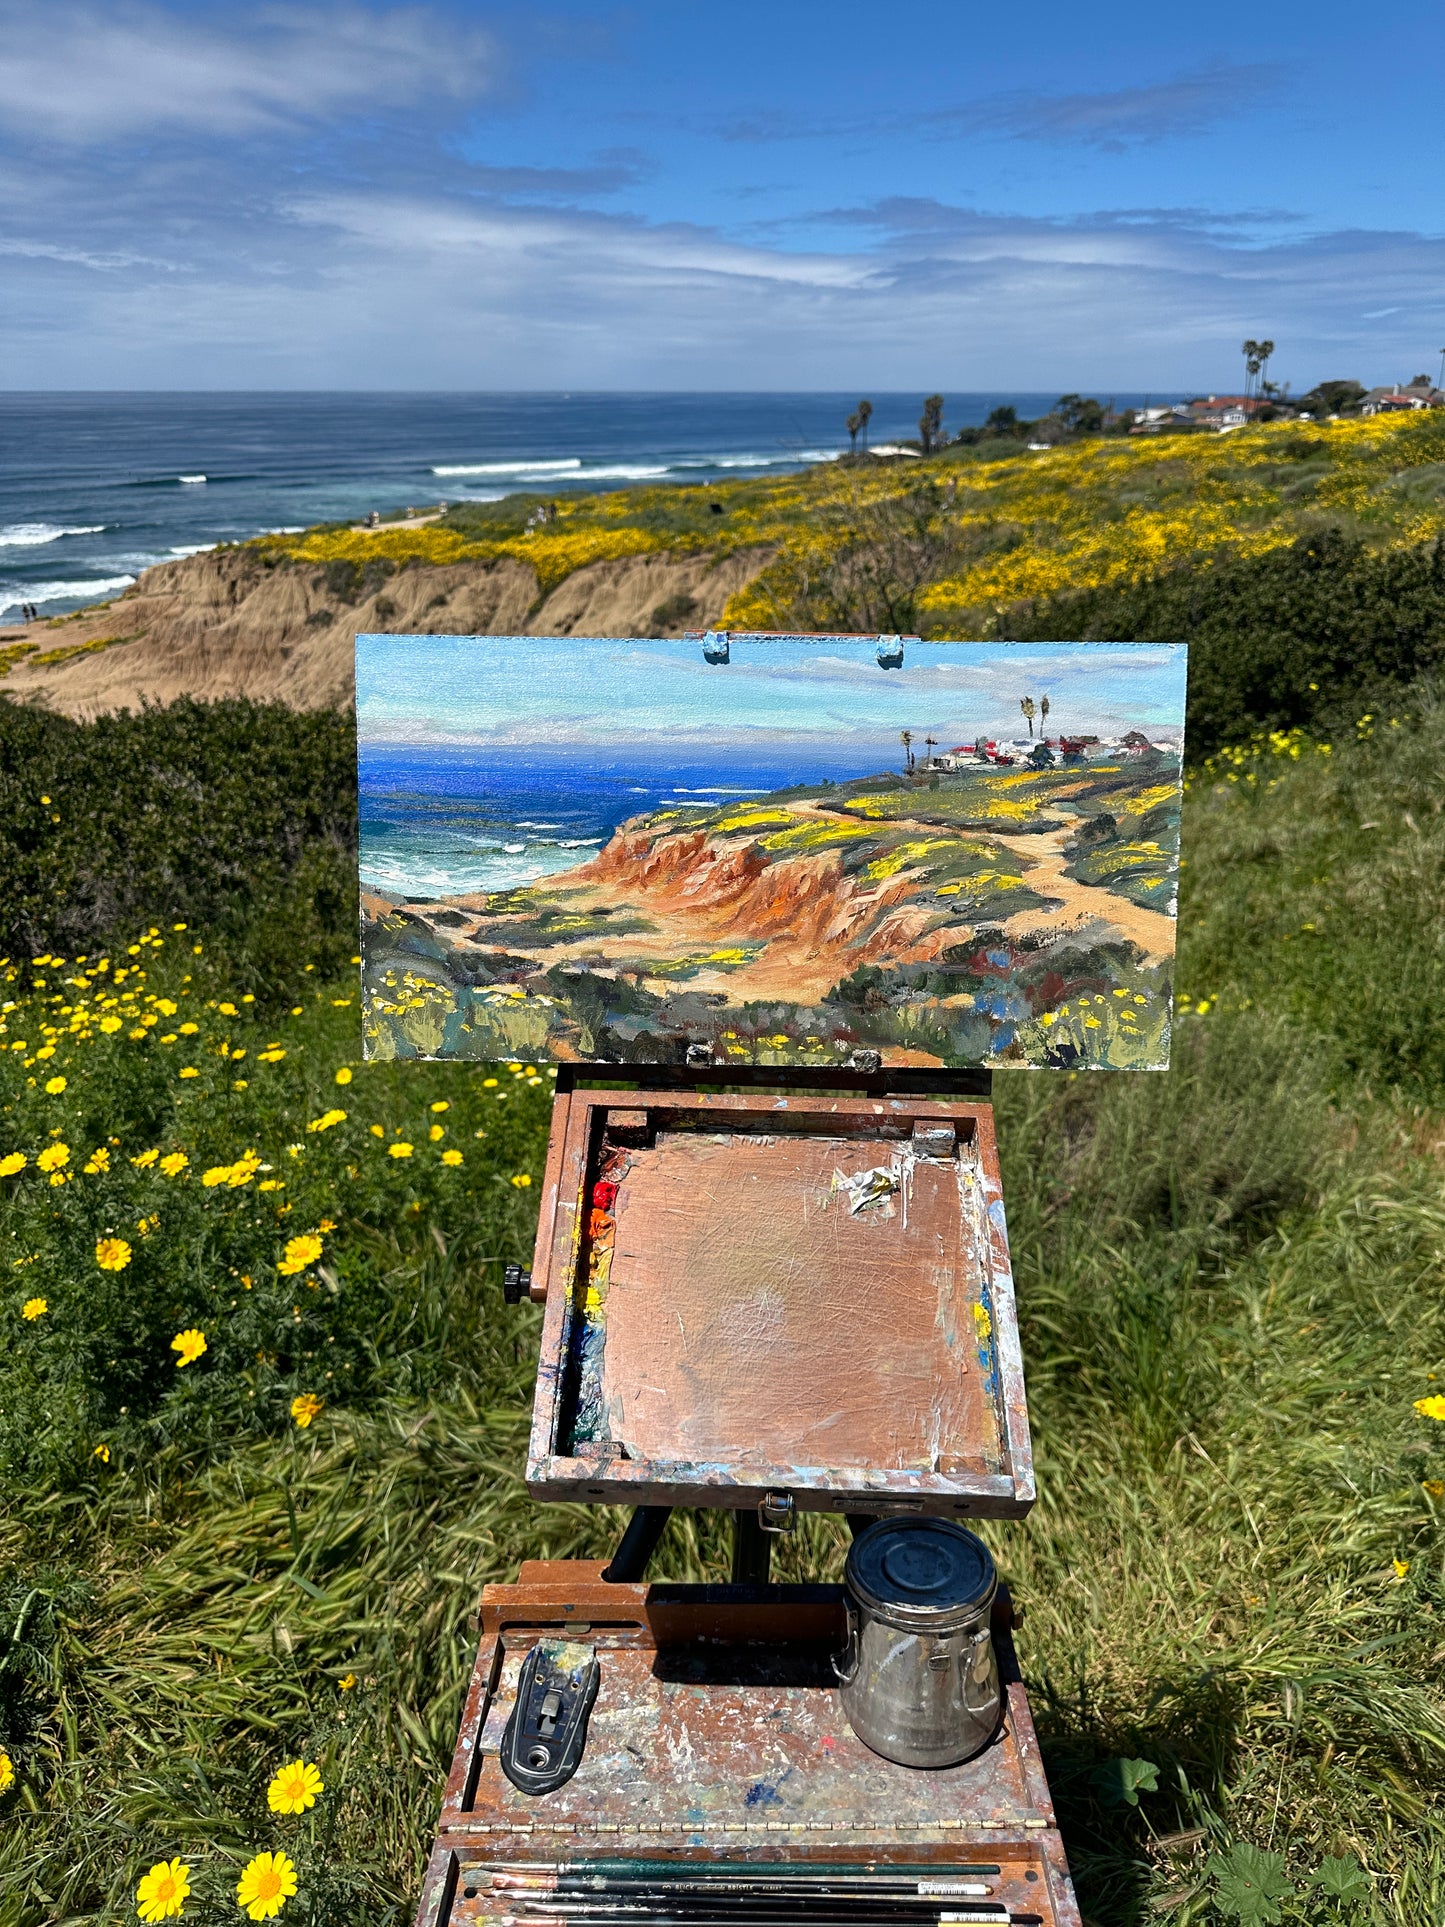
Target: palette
x=717, y=1737
x=793, y=1295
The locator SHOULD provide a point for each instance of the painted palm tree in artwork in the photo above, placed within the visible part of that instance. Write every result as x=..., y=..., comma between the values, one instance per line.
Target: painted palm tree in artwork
x=1043, y=715
x=930, y=743
x=905, y=736
x=1027, y=706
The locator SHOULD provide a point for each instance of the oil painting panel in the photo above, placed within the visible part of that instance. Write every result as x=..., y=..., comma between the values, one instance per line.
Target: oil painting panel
x=593, y=850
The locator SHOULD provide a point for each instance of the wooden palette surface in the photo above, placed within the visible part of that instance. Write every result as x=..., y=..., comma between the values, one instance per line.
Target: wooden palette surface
x=746, y=1295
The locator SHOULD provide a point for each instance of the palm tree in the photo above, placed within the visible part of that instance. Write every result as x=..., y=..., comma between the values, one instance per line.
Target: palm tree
x=1266, y=349
x=906, y=738
x=1027, y=706
x=865, y=415
x=853, y=424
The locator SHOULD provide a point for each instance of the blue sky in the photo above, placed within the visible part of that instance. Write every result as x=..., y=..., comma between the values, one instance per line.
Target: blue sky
x=533, y=690
x=816, y=194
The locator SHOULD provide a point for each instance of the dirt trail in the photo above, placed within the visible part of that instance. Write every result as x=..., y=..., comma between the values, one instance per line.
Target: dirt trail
x=1043, y=854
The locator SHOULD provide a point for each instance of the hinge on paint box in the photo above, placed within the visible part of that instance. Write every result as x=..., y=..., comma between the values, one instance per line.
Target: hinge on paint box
x=516, y=1283
x=776, y=1512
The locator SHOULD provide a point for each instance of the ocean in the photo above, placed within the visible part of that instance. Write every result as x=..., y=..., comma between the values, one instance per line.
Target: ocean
x=443, y=820
x=95, y=488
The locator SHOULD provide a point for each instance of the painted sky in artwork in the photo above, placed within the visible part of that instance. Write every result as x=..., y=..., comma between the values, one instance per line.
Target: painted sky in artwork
x=518, y=689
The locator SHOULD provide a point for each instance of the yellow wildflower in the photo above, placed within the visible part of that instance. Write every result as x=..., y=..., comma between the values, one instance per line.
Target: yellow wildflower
x=112, y=1254
x=7, y=1770
x=343, y=1076
x=326, y=1120
x=102, y=1452
x=174, y=1162
x=13, y=1162
x=266, y=1884
x=1435, y=1487
x=377, y=1131
x=1432, y=1407
x=347, y=1683
x=327, y=1224
x=294, y=1788
x=488, y=1083
x=304, y=1408
x=451, y=1157
x=189, y=1070
x=53, y=1157
x=109, y=1024
x=190, y=1344
x=98, y=1161
x=54, y=1086
x=436, y=1132
x=300, y=1252
x=1402, y=1566
x=228, y=1010
x=34, y=1308
x=143, y=1158
x=521, y=1180
x=441, y=1105
x=401, y=1149
x=162, y=1892
x=188, y=1029
x=272, y=1056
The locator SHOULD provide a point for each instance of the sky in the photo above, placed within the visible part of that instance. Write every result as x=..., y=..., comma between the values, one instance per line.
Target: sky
x=526, y=691
x=821, y=194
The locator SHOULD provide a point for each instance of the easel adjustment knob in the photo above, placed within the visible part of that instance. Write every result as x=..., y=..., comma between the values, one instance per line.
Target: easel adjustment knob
x=516, y=1283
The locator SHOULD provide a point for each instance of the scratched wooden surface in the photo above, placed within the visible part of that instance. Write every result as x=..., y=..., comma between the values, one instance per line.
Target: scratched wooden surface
x=753, y=1315
x=718, y=1734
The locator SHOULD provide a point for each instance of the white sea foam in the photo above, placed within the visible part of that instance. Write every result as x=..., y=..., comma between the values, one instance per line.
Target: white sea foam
x=190, y=478
x=195, y=548
x=32, y=535
x=569, y=467
x=43, y=592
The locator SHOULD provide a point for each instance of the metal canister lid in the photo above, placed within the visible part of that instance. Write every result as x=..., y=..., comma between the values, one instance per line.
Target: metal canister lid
x=927, y=1575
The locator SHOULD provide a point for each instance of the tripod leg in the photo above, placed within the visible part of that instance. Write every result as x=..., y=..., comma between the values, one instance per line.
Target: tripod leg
x=752, y=1550
x=639, y=1542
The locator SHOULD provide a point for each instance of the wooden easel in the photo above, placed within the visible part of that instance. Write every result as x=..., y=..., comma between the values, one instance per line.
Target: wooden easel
x=769, y=1291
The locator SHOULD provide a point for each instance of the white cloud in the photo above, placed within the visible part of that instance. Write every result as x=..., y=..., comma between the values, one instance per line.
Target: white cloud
x=84, y=73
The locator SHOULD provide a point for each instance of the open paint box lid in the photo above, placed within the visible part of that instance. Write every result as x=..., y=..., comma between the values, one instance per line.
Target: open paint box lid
x=750, y=1294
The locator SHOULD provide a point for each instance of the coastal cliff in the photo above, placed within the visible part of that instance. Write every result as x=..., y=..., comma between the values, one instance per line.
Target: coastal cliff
x=247, y=622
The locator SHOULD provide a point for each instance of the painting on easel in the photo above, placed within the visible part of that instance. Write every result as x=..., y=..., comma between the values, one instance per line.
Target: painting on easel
x=587, y=849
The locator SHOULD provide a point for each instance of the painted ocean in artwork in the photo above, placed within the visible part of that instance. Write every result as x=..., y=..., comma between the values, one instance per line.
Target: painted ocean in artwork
x=605, y=850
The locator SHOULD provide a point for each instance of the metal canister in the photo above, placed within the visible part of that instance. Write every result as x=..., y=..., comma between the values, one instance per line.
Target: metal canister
x=919, y=1677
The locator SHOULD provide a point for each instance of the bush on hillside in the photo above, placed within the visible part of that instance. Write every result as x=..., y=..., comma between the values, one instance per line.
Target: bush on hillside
x=1299, y=637
x=235, y=815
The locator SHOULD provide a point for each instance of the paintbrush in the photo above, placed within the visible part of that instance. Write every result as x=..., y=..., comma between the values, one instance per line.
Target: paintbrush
x=958, y=1915
x=738, y=1883
x=741, y=1899
x=738, y=1869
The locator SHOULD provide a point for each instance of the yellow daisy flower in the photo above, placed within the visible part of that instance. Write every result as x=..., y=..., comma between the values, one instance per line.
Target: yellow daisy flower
x=162, y=1892
x=300, y=1252
x=451, y=1157
x=1433, y=1407
x=173, y=1163
x=53, y=1157
x=34, y=1308
x=343, y=1076
x=190, y=1344
x=7, y=1770
x=401, y=1149
x=54, y=1086
x=294, y=1788
x=112, y=1254
x=15, y=1161
x=442, y=1104
x=521, y=1180
x=304, y=1408
x=266, y=1884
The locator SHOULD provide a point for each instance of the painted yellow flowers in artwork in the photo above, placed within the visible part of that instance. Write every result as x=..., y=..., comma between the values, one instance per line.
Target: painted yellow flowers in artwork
x=1433, y=1407
x=163, y=1891
x=112, y=1254
x=189, y=1344
x=299, y=1253
x=34, y=1308
x=294, y=1788
x=266, y=1884
x=304, y=1407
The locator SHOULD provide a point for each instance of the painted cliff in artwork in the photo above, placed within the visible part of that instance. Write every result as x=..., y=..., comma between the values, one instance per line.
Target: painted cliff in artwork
x=592, y=850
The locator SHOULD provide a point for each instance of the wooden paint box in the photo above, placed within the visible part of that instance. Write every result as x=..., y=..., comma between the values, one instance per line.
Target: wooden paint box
x=762, y=1296
x=717, y=1737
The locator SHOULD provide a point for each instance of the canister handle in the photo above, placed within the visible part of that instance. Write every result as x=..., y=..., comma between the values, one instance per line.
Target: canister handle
x=845, y=1664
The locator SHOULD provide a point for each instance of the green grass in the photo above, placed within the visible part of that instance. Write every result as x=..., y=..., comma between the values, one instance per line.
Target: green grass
x=1231, y=1292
